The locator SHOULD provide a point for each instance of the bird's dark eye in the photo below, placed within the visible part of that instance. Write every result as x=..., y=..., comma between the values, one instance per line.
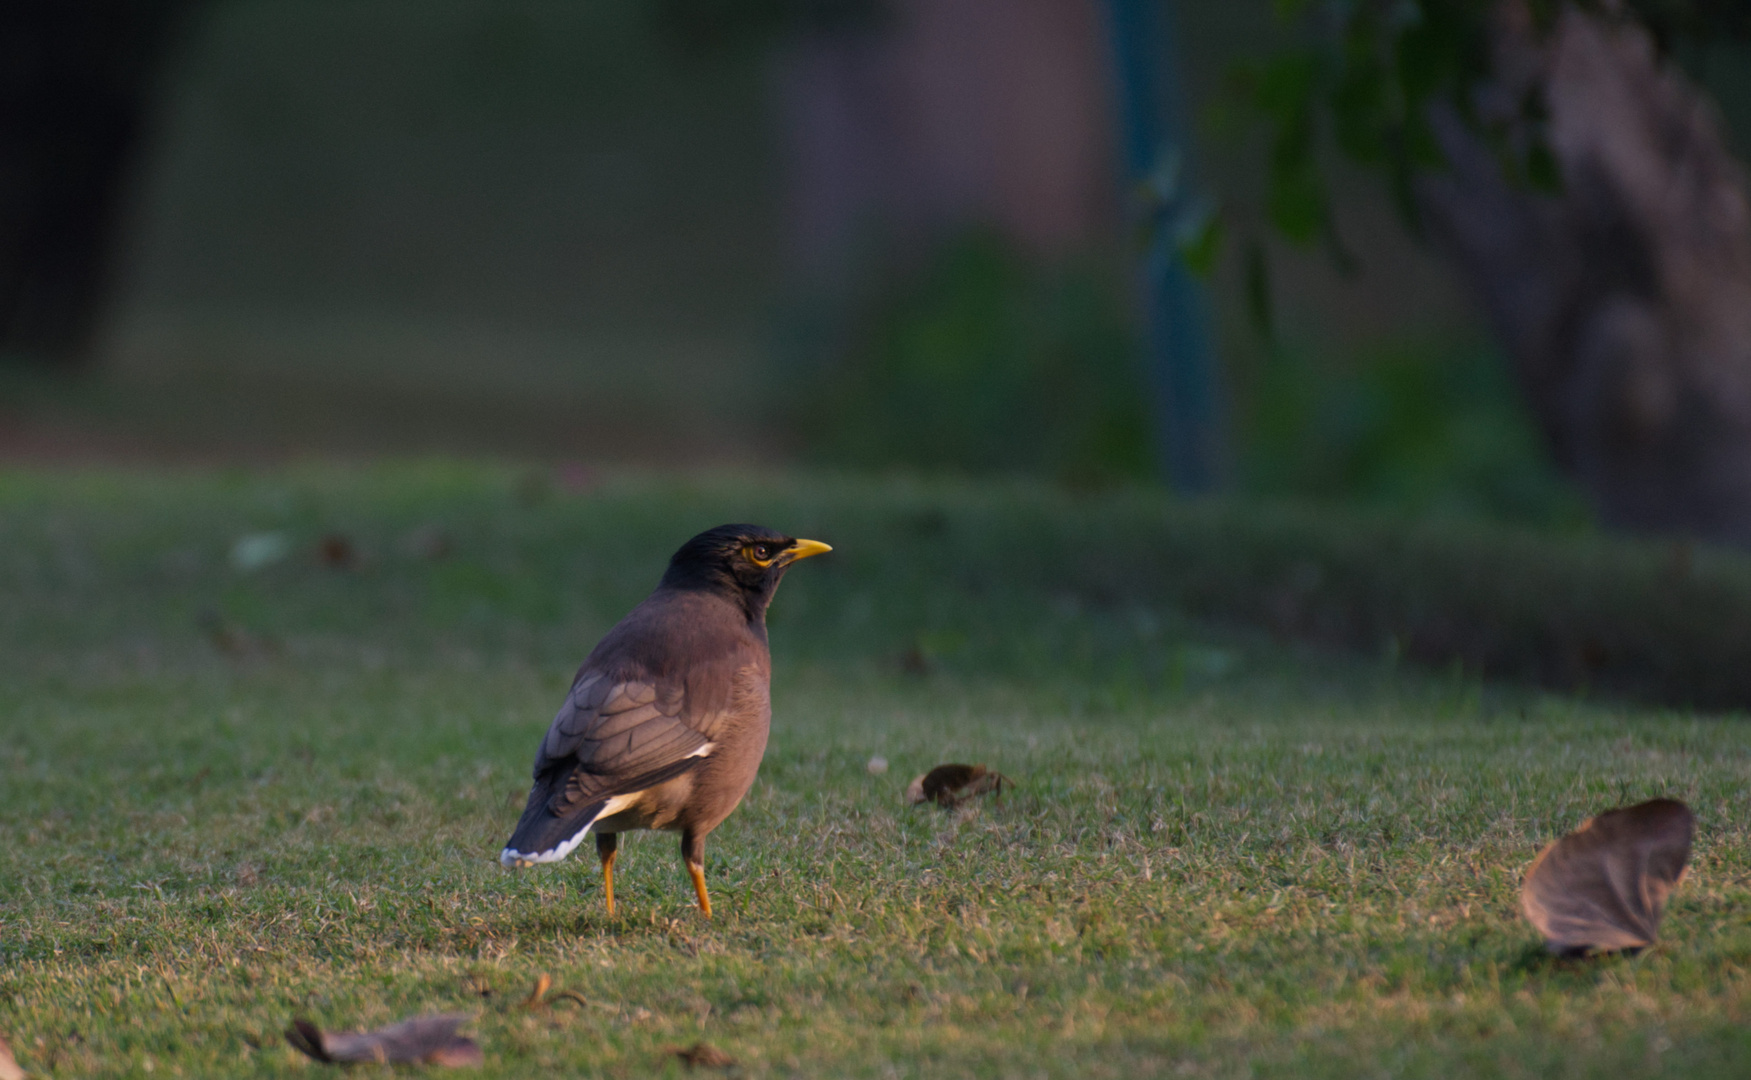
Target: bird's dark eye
x=762, y=553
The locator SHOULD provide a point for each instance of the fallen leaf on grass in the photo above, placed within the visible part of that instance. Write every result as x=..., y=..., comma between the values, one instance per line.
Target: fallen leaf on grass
x=702, y=1055
x=478, y=986
x=538, y=996
x=338, y=551
x=949, y=785
x=9, y=1069
x=1603, y=887
x=543, y=983
x=431, y=1040
x=914, y=662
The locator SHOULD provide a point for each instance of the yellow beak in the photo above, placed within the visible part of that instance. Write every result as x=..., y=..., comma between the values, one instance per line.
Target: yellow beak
x=803, y=549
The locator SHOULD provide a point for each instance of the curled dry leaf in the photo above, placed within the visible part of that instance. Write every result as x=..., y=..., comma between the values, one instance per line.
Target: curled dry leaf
x=703, y=1055
x=1603, y=887
x=9, y=1069
x=478, y=985
x=914, y=662
x=338, y=551
x=949, y=785
x=431, y=1040
x=543, y=983
x=540, y=998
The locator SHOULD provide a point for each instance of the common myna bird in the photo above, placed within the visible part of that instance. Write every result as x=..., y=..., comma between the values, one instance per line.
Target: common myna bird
x=667, y=720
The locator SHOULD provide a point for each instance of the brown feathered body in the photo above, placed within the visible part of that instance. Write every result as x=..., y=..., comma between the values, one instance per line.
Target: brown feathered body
x=667, y=720
x=702, y=674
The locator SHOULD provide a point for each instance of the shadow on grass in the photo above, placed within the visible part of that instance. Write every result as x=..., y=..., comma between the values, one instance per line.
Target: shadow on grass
x=1538, y=960
x=628, y=925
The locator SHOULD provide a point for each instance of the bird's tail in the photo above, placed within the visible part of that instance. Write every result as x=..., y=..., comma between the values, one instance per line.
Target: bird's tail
x=543, y=836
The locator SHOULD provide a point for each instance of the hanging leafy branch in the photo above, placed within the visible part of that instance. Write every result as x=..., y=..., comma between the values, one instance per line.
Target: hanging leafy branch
x=1370, y=71
x=1367, y=77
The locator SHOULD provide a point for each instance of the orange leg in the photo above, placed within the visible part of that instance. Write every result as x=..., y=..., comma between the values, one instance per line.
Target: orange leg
x=693, y=854
x=698, y=873
x=607, y=849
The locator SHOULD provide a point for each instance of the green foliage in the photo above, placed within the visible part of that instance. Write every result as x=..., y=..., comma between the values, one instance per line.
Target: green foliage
x=1414, y=432
x=1420, y=430
x=1368, y=72
x=1200, y=245
x=986, y=362
x=1172, y=212
x=1366, y=84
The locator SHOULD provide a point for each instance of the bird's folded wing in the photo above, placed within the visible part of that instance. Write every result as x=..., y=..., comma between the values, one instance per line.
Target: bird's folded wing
x=620, y=735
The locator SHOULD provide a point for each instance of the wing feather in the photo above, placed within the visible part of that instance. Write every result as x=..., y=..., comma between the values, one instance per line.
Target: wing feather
x=615, y=723
x=650, y=703
x=616, y=736
x=627, y=695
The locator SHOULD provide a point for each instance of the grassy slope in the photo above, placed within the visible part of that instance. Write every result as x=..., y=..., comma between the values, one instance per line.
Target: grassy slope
x=1223, y=856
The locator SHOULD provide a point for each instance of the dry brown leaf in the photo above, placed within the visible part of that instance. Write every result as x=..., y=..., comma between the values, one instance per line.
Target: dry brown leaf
x=540, y=998
x=1603, y=887
x=478, y=985
x=949, y=785
x=9, y=1069
x=543, y=983
x=338, y=551
x=431, y=1040
x=914, y=662
x=703, y=1055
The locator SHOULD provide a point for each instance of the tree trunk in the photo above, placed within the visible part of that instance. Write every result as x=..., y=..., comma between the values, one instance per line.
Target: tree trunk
x=1624, y=300
x=945, y=114
x=77, y=82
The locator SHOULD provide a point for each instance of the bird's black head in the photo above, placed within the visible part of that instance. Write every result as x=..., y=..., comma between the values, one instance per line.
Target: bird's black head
x=745, y=561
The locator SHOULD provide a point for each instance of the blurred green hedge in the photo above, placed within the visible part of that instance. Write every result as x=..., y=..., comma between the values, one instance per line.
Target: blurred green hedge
x=984, y=362
x=1430, y=428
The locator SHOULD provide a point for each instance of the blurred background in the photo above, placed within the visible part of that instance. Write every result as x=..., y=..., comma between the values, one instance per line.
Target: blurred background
x=899, y=235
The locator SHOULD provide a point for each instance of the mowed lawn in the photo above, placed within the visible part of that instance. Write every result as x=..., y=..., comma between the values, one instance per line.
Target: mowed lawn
x=231, y=796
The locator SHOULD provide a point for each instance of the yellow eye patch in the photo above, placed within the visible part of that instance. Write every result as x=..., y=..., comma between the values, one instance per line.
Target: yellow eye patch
x=760, y=555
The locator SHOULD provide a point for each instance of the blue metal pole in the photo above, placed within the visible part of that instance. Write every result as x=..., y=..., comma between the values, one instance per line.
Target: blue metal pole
x=1182, y=362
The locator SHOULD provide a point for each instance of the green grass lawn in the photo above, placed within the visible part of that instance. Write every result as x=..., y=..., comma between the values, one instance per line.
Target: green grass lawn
x=230, y=797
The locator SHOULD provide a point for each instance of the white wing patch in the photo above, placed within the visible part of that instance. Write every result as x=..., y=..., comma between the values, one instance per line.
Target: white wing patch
x=515, y=859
